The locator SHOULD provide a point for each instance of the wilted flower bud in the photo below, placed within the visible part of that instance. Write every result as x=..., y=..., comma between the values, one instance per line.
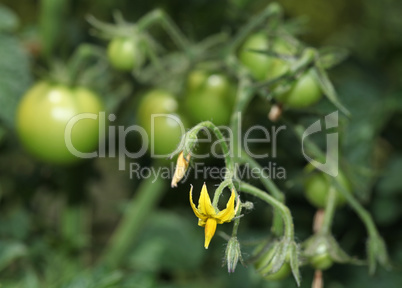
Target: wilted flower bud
x=233, y=254
x=181, y=168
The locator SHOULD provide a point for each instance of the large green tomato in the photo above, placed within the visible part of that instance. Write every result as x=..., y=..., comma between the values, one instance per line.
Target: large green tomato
x=210, y=96
x=124, y=54
x=305, y=92
x=42, y=117
x=264, y=67
x=158, y=114
x=317, y=187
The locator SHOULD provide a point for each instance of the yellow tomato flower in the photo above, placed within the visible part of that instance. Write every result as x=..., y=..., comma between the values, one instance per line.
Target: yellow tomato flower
x=209, y=216
x=181, y=168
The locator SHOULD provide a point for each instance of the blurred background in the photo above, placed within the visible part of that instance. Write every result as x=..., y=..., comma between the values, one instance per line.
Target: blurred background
x=60, y=223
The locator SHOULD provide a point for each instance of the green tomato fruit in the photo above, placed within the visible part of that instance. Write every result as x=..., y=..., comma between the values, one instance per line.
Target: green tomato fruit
x=305, y=92
x=264, y=67
x=321, y=261
x=165, y=130
x=42, y=117
x=124, y=54
x=264, y=265
x=209, y=97
x=317, y=188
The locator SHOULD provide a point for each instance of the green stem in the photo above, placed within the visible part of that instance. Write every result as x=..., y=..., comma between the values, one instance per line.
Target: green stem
x=236, y=223
x=159, y=16
x=271, y=10
x=136, y=213
x=277, y=223
x=222, y=141
x=302, y=64
x=51, y=19
x=219, y=190
x=329, y=212
x=356, y=206
x=286, y=215
x=364, y=215
x=264, y=178
x=243, y=98
x=80, y=59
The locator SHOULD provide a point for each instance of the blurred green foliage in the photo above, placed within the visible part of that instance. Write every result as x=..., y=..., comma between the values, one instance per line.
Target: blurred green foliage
x=36, y=250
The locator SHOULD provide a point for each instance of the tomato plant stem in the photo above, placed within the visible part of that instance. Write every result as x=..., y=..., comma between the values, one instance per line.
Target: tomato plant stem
x=356, y=206
x=270, y=11
x=222, y=141
x=329, y=211
x=284, y=210
x=136, y=213
x=159, y=16
x=277, y=225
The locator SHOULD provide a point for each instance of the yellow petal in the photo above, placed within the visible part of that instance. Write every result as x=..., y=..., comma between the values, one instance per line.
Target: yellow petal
x=204, y=203
x=181, y=168
x=210, y=228
x=196, y=212
x=201, y=222
x=227, y=214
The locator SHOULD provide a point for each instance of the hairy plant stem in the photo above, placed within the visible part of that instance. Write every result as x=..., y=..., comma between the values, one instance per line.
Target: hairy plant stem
x=277, y=223
x=222, y=141
x=284, y=210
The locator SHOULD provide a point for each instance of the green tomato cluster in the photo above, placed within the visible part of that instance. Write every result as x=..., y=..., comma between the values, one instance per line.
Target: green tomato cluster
x=208, y=96
x=304, y=92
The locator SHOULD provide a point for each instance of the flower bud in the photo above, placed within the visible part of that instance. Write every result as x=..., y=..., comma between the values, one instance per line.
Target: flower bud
x=181, y=168
x=233, y=254
x=248, y=205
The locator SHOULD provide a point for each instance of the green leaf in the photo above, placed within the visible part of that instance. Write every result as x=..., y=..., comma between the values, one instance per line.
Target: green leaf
x=168, y=242
x=331, y=56
x=377, y=252
x=9, y=252
x=15, y=77
x=328, y=88
x=8, y=20
x=294, y=262
x=280, y=256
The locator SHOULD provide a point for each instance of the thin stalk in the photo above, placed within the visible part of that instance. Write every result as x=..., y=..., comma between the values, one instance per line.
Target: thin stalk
x=265, y=180
x=136, y=213
x=218, y=134
x=277, y=223
x=159, y=16
x=329, y=212
x=271, y=10
x=286, y=215
x=302, y=64
x=352, y=201
x=243, y=98
x=219, y=190
x=236, y=223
